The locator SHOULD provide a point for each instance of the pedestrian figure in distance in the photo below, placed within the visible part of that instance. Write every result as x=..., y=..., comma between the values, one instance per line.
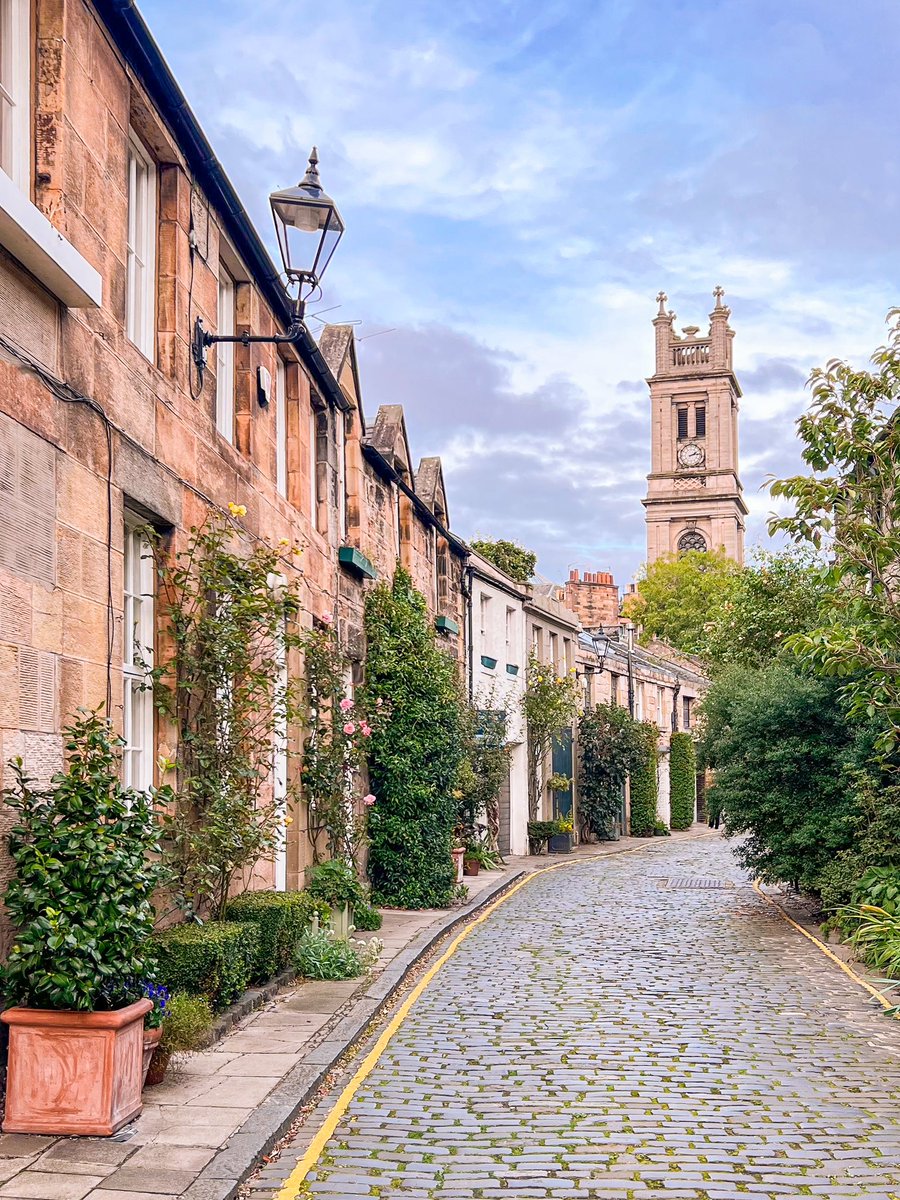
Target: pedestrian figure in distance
x=715, y=812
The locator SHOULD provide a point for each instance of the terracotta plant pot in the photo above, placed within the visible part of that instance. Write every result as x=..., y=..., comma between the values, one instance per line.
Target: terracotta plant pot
x=157, y=1067
x=74, y=1072
x=151, y=1041
x=458, y=854
x=470, y=866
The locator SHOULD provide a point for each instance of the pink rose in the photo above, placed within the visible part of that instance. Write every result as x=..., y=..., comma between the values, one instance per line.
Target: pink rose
x=349, y=728
x=366, y=731
x=346, y=705
x=369, y=800
x=327, y=618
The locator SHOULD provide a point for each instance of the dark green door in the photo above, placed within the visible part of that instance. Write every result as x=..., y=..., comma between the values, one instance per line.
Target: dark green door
x=561, y=760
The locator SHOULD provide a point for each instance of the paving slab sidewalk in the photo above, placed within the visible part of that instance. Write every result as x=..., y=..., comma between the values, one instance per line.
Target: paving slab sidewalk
x=204, y=1129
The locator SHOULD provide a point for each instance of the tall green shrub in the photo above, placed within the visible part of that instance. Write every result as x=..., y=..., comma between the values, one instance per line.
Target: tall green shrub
x=612, y=745
x=415, y=755
x=645, y=787
x=80, y=901
x=682, y=781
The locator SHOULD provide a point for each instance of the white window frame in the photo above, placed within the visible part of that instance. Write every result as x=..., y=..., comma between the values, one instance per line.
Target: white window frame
x=225, y=355
x=281, y=427
x=15, y=91
x=340, y=437
x=140, y=267
x=137, y=649
x=313, y=468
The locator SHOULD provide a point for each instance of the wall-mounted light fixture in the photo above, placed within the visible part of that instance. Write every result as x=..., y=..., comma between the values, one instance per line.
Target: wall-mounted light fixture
x=309, y=227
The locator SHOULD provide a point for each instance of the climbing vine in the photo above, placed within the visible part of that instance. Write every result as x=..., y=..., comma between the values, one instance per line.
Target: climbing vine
x=612, y=746
x=682, y=781
x=230, y=624
x=415, y=756
x=483, y=769
x=550, y=705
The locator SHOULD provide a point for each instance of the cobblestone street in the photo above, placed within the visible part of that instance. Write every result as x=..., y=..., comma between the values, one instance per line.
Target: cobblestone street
x=609, y=1033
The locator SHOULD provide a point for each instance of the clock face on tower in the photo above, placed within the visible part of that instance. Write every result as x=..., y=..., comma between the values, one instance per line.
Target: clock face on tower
x=691, y=455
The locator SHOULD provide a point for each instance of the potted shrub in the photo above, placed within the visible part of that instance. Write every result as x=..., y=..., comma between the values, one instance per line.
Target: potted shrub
x=561, y=838
x=185, y=1026
x=80, y=905
x=159, y=998
x=478, y=855
x=337, y=884
x=539, y=834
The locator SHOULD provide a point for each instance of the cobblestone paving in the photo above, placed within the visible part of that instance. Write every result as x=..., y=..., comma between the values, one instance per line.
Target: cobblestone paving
x=604, y=1035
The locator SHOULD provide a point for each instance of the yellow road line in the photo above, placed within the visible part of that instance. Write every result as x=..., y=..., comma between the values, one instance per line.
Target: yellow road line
x=845, y=967
x=291, y=1186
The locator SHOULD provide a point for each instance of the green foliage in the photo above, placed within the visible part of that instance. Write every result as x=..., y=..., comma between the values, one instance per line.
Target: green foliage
x=877, y=939
x=645, y=785
x=415, y=756
x=80, y=901
x=682, y=781
x=778, y=742
x=849, y=504
x=678, y=598
x=366, y=918
x=336, y=883
x=509, y=557
x=875, y=833
x=612, y=745
x=539, y=833
x=880, y=886
x=215, y=960
x=334, y=749
x=321, y=955
x=224, y=687
x=487, y=859
x=187, y=1024
x=661, y=829
x=772, y=600
x=550, y=705
x=281, y=918
x=483, y=768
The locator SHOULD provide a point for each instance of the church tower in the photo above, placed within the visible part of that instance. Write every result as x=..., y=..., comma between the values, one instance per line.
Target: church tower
x=694, y=495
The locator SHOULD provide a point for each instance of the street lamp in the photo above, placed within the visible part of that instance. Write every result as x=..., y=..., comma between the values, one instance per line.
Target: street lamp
x=308, y=227
x=601, y=642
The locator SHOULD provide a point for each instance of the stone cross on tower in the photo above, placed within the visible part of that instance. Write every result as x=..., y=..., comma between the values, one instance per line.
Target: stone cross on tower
x=694, y=496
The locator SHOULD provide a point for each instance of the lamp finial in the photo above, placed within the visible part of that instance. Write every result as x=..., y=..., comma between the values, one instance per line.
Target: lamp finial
x=311, y=178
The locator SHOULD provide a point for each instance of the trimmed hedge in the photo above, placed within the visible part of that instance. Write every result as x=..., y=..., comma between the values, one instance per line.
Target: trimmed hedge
x=281, y=919
x=215, y=960
x=682, y=781
x=645, y=788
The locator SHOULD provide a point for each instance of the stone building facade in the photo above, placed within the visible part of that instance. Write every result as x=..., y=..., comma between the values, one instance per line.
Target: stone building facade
x=694, y=496
x=117, y=229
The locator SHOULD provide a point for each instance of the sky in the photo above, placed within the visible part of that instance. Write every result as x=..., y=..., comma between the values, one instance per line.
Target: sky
x=519, y=178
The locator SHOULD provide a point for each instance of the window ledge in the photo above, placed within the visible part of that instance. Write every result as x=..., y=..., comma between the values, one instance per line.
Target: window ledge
x=30, y=238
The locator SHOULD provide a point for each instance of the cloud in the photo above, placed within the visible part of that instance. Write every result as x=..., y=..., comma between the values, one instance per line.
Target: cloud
x=774, y=374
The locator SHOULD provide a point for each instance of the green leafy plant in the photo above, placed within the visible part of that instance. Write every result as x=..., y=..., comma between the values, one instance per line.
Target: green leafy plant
x=335, y=747
x=415, y=756
x=487, y=859
x=336, y=883
x=216, y=960
x=230, y=629
x=366, y=918
x=550, y=705
x=321, y=955
x=661, y=829
x=482, y=771
x=281, y=918
x=539, y=833
x=612, y=746
x=877, y=939
x=645, y=786
x=682, y=781
x=514, y=560
x=680, y=596
x=187, y=1024
x=559, y=783
x=80, y=901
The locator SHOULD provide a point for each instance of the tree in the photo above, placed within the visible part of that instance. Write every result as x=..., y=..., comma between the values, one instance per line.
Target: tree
x=415, y=755
x=777, y=596
x=849, y=505
x=517, y=562
x=678, y=598
x=777, y=739
x=550, y=705
x=612, y=746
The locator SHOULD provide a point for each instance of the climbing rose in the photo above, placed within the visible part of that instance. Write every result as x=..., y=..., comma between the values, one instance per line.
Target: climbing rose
x=366, y=731
x=369, y=800
x=346, y=705
x=326, y=618
x=349, y=728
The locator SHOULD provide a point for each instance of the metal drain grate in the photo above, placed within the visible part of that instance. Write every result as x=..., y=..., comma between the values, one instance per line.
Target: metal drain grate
x=699, y=881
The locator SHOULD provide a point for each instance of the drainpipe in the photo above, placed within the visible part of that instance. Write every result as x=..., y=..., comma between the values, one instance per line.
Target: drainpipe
x=629, y=641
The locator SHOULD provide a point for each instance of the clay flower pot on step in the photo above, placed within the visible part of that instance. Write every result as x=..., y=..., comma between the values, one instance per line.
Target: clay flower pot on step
x=470, y=866
x=74, y=1072
x=151, y=1042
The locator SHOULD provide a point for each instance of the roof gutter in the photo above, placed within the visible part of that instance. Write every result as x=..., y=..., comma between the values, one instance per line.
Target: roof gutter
x=138, y=47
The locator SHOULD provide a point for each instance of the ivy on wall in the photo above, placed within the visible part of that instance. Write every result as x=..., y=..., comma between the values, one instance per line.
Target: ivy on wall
x=645, y=787
x=415, y=756
x=682, y=781
x=612, y=745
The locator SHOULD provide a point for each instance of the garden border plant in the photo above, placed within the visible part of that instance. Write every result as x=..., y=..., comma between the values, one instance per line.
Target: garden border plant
x=645, y=787
x=612, y=746
x=682, y=780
